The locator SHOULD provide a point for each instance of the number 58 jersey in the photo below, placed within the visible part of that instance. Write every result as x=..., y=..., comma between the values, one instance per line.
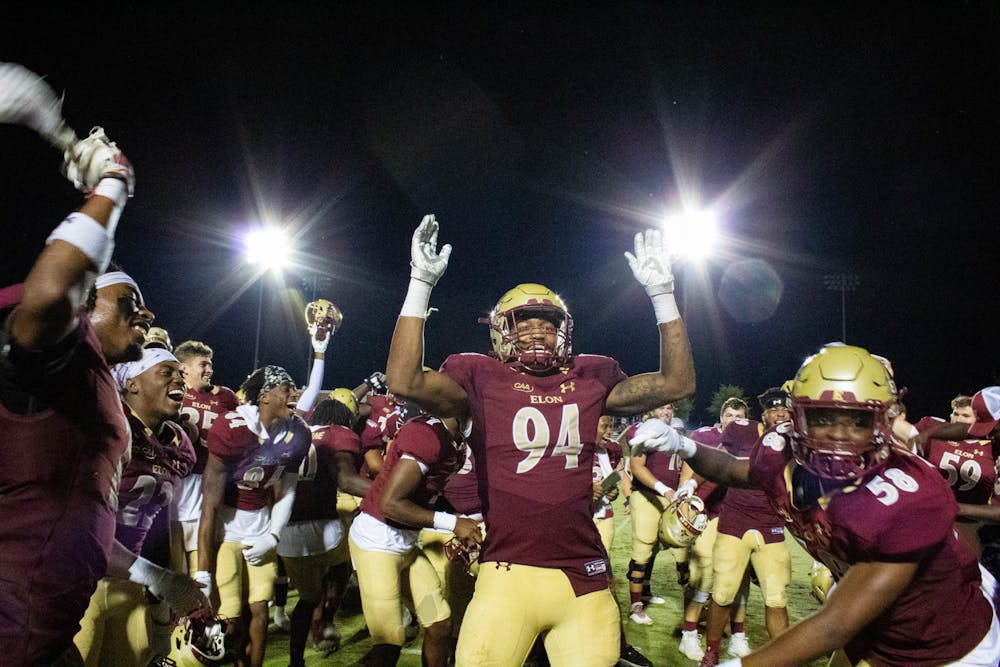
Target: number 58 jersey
x=533, y=441
x=903, y=512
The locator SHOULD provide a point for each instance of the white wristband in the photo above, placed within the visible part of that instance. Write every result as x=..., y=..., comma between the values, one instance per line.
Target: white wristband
x=445, y=521
x=661, y=488
x=116, y=190
x=143, y=571
x=89, y=236
x=418, y=296
x=665, y=307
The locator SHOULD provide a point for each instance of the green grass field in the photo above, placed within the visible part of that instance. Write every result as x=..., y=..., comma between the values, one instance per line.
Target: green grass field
x=657, y=642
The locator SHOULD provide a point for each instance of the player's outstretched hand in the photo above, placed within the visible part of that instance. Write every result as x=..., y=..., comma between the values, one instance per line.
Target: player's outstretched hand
x=94, y=158
x=657, y=436
x=426, y=262
x=651, y=263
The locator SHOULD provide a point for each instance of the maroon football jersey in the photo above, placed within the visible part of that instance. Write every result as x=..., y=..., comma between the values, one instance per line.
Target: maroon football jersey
x=62, y=461
x=202, y=408
x=159, y=462
x=316, y=491
x=904, y=512
x=462, y=490
x=747, y=509
x=381, y=423
x=968, y=465
x=254, y=465
x=709, y=491
x=533, y=441
x=665, y=467
x=614, y=450
x=427, y=440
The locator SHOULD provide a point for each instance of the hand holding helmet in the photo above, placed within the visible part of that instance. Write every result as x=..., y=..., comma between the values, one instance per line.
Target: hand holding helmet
x=322, y=320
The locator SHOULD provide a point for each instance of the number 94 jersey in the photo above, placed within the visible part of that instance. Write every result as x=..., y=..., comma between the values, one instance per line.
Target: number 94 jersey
x=533, y=441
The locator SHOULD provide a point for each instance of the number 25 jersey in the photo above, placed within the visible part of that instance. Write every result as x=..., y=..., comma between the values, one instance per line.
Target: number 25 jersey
x=533, y=440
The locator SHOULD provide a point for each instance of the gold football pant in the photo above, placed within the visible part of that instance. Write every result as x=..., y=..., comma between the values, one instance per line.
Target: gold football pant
x=771, y=561
x=514, y=603
x=115, y=628
x=647, y=510
x=379, y=582
x=240, y=582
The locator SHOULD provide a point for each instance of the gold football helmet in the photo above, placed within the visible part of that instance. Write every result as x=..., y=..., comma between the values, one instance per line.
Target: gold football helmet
x=525, y=301
x=197, y=640
x=158, y=337
x=323, y=313
x=345, y=396
x=683, y=521
x=843, y=378
x=820, y=581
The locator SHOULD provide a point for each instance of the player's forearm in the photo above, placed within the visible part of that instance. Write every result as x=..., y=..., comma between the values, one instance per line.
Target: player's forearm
x=348, y=479
x=309, y=394
x=120, y=560
x=405, y=511
x=404, y=369
x=808, y=640
x=985, y=513
x=206, y=539
x=720, y=467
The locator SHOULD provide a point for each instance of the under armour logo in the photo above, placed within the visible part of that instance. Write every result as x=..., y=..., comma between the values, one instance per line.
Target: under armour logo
x=567, y=386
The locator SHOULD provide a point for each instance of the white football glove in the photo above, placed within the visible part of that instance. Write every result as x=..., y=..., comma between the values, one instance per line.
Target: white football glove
x=255, y=551
x=204, y=579
x=427, y=264
x=320, y=335
x=94, y=158
x=180, y=592
x=686, y=489
x=651, y=263
x=656, y=436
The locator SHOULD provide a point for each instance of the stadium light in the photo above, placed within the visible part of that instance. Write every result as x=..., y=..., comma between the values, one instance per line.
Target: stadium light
x=843, y=283
x=271, y=249
x=692, y=233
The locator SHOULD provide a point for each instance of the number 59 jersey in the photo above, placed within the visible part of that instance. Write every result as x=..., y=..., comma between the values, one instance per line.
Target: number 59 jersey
x=902, y=512
x=533, y=440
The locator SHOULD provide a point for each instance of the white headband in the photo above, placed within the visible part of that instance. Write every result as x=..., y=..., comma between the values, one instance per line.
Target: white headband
x=115, y=278
x=151, y=356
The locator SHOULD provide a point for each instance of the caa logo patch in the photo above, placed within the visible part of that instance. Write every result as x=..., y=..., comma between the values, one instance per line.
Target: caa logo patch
x=523, y=386
x=595, y=567
x=774, y=441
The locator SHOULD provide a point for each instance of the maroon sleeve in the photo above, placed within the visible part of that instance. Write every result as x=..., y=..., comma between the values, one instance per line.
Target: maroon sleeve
x=420, y=441
x=614, y=452
x=339, y=439
x=228, y=398
x=221, y=441
x=927, y=423
x=185, y=451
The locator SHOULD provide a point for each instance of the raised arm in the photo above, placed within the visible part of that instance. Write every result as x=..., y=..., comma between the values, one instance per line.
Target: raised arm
x=78, y=249
x=435, y=392
x=651, y=266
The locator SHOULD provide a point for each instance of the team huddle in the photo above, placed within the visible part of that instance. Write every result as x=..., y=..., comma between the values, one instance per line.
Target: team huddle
x=500, y=465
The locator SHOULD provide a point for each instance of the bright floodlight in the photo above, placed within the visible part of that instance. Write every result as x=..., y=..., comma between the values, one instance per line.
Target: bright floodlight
x=691, y=233
x=269, y=247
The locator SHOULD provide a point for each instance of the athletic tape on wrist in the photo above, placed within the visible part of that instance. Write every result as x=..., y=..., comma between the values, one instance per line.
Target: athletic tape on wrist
x=142, y=571
x=418, y=296
x=445, y=521
x=661, y=488
x=665, y=307
x=89, y=236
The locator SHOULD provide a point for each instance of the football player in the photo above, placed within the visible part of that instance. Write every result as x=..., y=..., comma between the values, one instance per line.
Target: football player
x=697, y=574
x=248, y=489
x=119, y=627
x=62, y=426
x=383, y=540
x=543, y=567
x=309, y=541
x=203, y=404
x=655, y=478
x=877, y=515
x=749, y=532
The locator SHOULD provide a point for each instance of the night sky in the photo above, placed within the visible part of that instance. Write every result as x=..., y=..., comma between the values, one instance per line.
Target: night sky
x=839, y=138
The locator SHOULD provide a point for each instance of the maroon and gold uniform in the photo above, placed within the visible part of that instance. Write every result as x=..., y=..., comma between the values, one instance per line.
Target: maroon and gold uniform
x=968, y=465
x=255, y=460
x=700, y=561
x=749, y=530
x=201, y=408
x=543, y=564
x=903, y=512
x=115, y=628
x=65, y=440
x=315, y=530
x=383, y=549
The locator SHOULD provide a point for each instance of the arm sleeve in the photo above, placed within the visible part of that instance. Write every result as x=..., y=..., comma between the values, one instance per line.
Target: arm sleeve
x=308, y=398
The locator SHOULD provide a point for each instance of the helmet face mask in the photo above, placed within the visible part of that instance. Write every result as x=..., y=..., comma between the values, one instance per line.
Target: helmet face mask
x=518, y=336
x=843, y=405
x=197, y=640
